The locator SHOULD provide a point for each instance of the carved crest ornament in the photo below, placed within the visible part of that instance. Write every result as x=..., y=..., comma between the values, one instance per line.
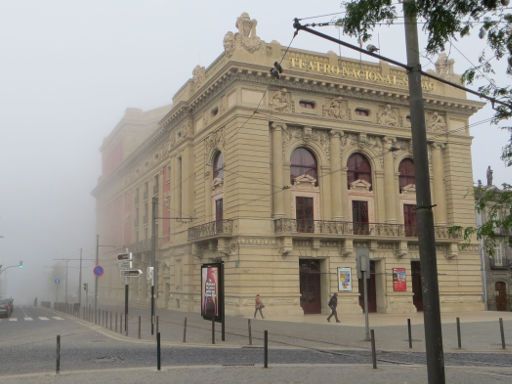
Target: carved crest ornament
x=245, y=38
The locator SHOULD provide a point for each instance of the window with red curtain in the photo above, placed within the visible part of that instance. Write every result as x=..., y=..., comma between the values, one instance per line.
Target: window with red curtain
x=358, y=168
x=407, y=173
x=303, y=162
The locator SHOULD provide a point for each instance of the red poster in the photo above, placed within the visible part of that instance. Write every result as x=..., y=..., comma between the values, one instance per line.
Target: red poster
x=399, y=280
x=210, y=291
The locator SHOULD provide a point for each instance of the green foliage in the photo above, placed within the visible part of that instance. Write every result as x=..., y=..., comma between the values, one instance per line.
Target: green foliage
x=446, y=20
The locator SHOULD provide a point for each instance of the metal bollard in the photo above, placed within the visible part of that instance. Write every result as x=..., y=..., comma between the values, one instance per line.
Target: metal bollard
x=158, y=352
x=126, y=324
x=265, y=349
x=409, y=332
x=110, y=320
x=213, y=330
x=57, y=363
x=459, y=341
x=121, y=323
x=139, y=332
x=374, y=354
x=115, y=323
x=185, y=330
x=502, y=331
x=250, y=331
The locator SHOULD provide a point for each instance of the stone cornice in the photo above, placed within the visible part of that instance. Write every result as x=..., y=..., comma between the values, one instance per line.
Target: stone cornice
x=233, y=71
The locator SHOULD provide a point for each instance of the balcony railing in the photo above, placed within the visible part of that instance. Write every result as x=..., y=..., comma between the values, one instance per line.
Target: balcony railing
x=336, y=228
x=220, y=228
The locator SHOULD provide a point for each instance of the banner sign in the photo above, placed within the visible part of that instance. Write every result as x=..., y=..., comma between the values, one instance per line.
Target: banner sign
x=399, y=280
x=344, y=279
x=212, y=298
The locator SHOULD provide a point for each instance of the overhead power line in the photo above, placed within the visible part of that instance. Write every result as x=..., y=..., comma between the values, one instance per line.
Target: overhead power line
x=298, y=26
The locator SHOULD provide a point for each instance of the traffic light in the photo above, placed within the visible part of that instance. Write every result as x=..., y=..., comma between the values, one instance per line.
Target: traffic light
x=86, y=286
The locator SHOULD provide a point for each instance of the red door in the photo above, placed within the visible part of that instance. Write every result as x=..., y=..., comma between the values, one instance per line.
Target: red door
x=410, y=220
x=304, y=214
x=372, y=290
x=310, y=299
x=360, y=217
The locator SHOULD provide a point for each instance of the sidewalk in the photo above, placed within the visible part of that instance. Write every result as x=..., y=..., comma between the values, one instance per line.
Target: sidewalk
x=480, y=331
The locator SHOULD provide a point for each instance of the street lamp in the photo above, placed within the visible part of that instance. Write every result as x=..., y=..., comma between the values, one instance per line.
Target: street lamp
x=19, y=265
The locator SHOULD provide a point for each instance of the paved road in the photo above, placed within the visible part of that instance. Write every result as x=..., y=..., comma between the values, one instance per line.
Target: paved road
x=28, y=346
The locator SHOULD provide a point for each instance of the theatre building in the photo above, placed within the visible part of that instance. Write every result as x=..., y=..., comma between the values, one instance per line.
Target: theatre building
x=284, y=179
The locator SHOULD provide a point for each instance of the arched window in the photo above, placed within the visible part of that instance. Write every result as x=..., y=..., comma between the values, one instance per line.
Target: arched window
x=359, y=169
x=303, y=162
x=218, y=166
x=407, y=173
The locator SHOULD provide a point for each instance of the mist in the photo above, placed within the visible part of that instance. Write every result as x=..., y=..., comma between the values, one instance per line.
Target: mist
x=68, y=71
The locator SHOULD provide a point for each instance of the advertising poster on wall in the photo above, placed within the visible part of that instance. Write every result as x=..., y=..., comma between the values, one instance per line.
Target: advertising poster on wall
x=344, y=279
x=399, y=280
x=211, y=291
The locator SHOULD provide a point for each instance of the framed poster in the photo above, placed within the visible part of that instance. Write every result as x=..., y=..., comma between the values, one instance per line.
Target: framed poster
x=399, y=280
x=344, y=279
x=211, y=291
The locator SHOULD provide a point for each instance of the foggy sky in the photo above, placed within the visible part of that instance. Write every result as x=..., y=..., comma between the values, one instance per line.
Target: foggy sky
x=69, y=69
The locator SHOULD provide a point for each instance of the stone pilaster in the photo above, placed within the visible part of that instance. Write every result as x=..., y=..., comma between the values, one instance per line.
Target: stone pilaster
x=336, y=176
x=389, y=181
x=438, y=184
x=277, y=170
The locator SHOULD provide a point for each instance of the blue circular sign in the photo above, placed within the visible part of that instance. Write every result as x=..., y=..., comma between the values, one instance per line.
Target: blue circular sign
x=98, y=270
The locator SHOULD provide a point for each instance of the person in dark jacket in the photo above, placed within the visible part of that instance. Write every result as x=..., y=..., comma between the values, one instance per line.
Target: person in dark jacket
x=333, y=304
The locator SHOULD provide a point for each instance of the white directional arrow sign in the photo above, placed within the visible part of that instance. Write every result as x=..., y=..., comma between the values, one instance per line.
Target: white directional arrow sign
x=131, y=273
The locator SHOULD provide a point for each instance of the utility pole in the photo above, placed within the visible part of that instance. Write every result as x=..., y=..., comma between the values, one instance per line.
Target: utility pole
x=424, y=217
x=80, y=282
x=66, y=286
x=96, y=280
x=154, y=206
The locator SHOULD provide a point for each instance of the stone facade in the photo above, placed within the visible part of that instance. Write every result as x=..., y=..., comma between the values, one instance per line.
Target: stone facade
x=496, y=265
x=249, y=213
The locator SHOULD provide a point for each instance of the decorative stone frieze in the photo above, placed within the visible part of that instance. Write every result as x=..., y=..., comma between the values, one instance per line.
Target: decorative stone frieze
x=436, y=123
x=389, y=116
x=281, y=101
x=336, y=108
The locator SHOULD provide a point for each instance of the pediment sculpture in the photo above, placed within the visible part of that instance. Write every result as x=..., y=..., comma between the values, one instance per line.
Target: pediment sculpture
x=360, y=185
x=409, y=188
x=305, y=180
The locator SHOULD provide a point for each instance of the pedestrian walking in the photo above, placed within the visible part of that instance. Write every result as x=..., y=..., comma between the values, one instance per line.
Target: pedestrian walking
x=258, y=306
x=333, y=304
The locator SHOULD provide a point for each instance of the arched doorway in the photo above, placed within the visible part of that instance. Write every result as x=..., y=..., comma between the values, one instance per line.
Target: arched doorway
x=501, y=296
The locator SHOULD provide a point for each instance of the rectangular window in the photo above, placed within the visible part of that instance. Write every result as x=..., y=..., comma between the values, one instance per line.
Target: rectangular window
x=360, y=217
x=498, y=255
x=219, y=215
x=410, y=220
x=304, y=214
x=156, y=186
